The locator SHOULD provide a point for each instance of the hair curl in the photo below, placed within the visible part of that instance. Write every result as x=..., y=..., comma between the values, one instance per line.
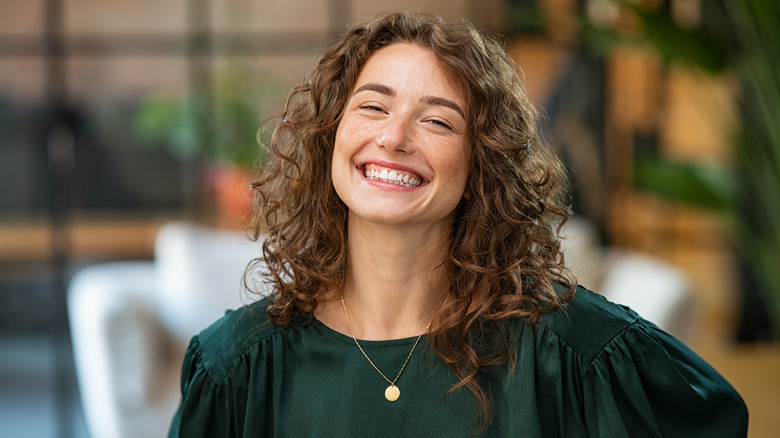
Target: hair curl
x=504, y=260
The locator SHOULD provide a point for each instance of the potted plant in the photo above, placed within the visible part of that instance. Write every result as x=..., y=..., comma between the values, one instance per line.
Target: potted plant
x=219, y=130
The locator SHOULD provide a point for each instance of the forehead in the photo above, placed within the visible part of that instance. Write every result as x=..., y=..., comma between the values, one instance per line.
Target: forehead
x=412, y=68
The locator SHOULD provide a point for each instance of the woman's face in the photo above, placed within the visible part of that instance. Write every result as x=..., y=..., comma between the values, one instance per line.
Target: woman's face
x=401, y=154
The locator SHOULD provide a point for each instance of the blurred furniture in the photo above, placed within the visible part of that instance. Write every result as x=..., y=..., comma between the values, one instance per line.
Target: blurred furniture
x=131, y=321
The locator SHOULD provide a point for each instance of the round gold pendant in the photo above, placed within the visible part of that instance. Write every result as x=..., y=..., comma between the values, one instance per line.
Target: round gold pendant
x=392, y=393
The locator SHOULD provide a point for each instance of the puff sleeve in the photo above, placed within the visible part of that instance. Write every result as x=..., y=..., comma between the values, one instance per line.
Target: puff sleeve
x=208, y=407
x=644, y=382
x=227, y=381
x=610, y=373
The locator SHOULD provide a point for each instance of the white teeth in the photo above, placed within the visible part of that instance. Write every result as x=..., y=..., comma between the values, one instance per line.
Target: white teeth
x=392, y=177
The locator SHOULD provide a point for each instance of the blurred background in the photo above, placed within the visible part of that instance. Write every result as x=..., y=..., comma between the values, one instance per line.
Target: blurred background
x=128, y=132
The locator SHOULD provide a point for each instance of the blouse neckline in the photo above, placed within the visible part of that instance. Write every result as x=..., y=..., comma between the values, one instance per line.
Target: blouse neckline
x=330, y=333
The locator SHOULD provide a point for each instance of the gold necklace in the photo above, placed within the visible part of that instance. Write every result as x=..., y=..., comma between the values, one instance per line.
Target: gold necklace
x=392, y=392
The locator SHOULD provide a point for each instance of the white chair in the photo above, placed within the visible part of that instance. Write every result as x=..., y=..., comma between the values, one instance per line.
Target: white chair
x=131, y=322
x=656, y=290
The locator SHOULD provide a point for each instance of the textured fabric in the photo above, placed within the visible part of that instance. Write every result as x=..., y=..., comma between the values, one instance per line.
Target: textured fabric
x=591, y=369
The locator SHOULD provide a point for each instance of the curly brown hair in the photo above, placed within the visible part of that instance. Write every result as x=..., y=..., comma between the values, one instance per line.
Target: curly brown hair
x=504, y=258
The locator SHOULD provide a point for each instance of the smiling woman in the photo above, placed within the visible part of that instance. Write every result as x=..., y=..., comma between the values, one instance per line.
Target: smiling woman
x=409, y=223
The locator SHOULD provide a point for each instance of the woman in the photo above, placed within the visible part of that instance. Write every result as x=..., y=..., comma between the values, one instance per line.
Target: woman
x=410, y=216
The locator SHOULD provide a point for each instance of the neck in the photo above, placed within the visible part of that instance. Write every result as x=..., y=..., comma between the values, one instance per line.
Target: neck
x=394, y=280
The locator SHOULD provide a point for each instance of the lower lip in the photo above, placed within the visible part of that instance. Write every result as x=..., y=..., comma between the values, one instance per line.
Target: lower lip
x=377, y=183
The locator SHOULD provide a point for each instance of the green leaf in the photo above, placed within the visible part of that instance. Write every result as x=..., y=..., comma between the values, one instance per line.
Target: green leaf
x=702, y=185
x=677, y=44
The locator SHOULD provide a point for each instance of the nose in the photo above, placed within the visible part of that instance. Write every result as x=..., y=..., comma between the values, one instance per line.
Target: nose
x=394, y=136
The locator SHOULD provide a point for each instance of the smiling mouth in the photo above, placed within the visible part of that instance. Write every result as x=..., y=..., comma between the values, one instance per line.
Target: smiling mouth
x=392, y=176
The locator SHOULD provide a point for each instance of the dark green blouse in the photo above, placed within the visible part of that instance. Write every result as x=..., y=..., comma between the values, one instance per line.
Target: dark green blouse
x=591, y=369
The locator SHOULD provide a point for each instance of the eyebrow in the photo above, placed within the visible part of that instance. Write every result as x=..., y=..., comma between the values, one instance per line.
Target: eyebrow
x=429, y=100
x=440, y=101
x=379, y=88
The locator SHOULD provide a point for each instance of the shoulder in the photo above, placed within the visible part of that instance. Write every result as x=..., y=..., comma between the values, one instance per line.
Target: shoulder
x=589, y=323
x=228, y=339
x=631, y=374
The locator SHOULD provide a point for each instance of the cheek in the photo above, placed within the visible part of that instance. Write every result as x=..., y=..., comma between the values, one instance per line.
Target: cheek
x=344, y=142
x=340, y=162
x=341, y=146
x=458, y=164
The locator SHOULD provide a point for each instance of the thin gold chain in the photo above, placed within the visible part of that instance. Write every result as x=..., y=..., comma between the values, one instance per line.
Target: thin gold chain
x=352, y=332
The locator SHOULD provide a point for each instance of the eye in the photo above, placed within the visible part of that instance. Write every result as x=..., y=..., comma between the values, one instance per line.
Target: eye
x=440, y=123
x=371, y=107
